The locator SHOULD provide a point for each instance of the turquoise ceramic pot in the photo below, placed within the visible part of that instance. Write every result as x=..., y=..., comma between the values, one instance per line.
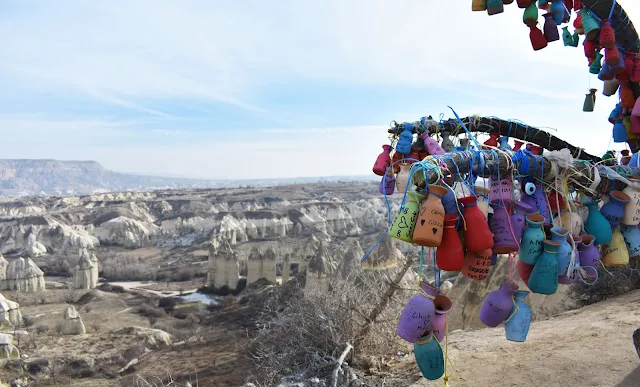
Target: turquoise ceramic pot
x=516, y=328
x=597, y=225
x=544, y=276
x=559, y=234
x=429, y=357
x=531, y=243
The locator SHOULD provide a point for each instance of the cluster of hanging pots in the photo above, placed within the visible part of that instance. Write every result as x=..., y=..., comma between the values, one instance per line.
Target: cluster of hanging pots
x=553, y=242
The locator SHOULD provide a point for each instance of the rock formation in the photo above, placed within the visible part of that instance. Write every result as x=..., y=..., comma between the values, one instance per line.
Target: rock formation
x=7, y=349
x=24, y=275
x=386, y=255
x=261, y=265
x=349, y=266
x=85, y=274
x=320, y=269
x=72, y=324
x=223, y=265
x=9, y=312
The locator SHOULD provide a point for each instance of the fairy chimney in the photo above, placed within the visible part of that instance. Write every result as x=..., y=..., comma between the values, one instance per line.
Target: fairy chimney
x=223, y=265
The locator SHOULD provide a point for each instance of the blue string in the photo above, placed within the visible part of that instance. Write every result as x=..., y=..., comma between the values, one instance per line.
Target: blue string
x=582, y=279
x=421, y=262
x=465, y=127
x=613, y=7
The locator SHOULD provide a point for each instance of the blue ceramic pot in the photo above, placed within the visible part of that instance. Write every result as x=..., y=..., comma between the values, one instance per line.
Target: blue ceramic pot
x=597, y=225
x=613, y=211
x=544, y=276
x=516, y=328
x=559, y=234
x=631, y=235
x=405, y=139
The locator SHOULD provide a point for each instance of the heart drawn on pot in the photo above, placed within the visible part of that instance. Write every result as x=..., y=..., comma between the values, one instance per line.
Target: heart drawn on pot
x=403, y=223
x=435, y=231
x=422, y=222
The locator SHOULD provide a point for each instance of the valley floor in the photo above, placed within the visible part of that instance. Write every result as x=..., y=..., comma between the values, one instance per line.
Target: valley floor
x=591, y=346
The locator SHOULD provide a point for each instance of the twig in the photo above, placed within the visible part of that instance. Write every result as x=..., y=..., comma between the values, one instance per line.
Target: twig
x=334, y=376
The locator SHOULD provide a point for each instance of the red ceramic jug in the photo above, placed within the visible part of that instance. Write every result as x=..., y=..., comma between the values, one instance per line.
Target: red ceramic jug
x=414, y=155
x=626, y=96
x=611, y=56
x=397, y=156
x=450, y=255
x=577, y=24
x=568, y=4
x=524, y=3
x=524, y=271
x=589, y=49
x=518, y=145
x=383, y=161
x=538, y=41
x=635, y=72
x=476, y=265
x=493, y=139
x=477, y=236
x=536, y=150
x=556, y=201
x=607, y=34
x=577, y=5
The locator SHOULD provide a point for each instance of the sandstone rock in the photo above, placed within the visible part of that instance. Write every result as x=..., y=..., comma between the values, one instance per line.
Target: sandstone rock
x=9, y=312
x=85, y=274
x=72, y=324
x=152, y=337
x=7, y=349
x=24, y=275
x=350, y=266
x=223, y=265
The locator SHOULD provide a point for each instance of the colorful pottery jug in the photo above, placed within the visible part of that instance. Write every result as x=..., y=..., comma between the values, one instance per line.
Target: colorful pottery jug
x=596, y=65
x=428, y=230
x=479, y=5
x=590, y=25
x=476, y=265
x=531, y=246
x=450, y=254
x=405, y=139
x=450, y=203
x=431, y=145
x=402, y=178
x=610, y=87
x=447, y=144
x=516, y=327
x=632, y=209
x=383, y=161
x=504, y=241
x=504, y=144
x=387, y=184
x=538, y=41
x=597, y=225
x=572, y=221
x=417, y=314
x=524, y=3
x=405, y=221
x=631, y=235
x=518, y=218
x=563, y=255
x=605, y=73
x=439, y=322
x=612, y=56
x=501, y=191
x=498, y=304
x=517, y=145
x=589, y=102
x=544, y=276
x=550, y=28
x=557, y=11
x=615, y=253
x=556, y=201
x=493, y=140
x=572, y=270
x=395, y=161
x=607, y=34
x=477, y=236
x=613, y=211
x=530, y=15
x=429, y=357
x=494, y=7
x=589, y=254
x=619, y=132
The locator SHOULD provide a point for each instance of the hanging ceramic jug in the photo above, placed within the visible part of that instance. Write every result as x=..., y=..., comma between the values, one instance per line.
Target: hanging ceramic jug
x=611, y=56
x=596, y=65
x=447, y=144
x=498, y=304
x=538, y=41
x=590, y=25
x=544, y=276
x=405, y=221
x=483, y=206
x=577, y=24
x=589, y=50
x=476, y=265
x=494, y=7
x=550, y=28
x=402, y=178
x=428, y=230
x=563, y=255
x=405, y=139
x=572, y=221
x=438, y=323
x=631, y=236
x=610, y=87
x=567, y=38
x=531, y=246
x=492, y=141
x=501, y=190
x=450, y=254
x=387, y=184
x=619, y=132
x=504, y=144
x=557, y=11
x=556, y=201
x=383, y=161
x=524, y=3
x=414, y=156
x=589, y=103
x=619, y=67
x=605, y=73
x=477, y=235
x=624, y=160
x=607, y=34
x=589, y=254
x=479, y=5
x=597, y=225
x=632, y=209
x=450, y=203
x=516, y=328
x=417, y=314
x=524, y=271
x=518, y=145
x=429, y=357
x=530, y=15
x=615, y=253
x=431, y=145
x=395, y=161
x=518, y=218
x=504, y=241
x=613, y=211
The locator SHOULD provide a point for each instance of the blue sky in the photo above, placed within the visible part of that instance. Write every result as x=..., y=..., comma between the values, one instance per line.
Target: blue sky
x=255, y=89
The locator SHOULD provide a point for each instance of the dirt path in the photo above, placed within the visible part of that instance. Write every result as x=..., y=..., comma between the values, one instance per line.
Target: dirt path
x=587, y=347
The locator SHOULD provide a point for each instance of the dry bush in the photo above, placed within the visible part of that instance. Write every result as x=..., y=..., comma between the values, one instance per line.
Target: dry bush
x=612, y=282
x=310, y=330
x=40, y=329
x=150, y=311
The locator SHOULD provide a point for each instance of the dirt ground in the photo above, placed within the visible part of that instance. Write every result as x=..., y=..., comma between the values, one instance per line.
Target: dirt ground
x=591, y=346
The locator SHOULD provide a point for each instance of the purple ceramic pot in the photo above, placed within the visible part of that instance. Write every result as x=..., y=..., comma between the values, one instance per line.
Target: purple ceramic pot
x=518, y=218
x=498, y=304
x=417, y=314
x=589, y=254
x=504, y=241
x=387, y=184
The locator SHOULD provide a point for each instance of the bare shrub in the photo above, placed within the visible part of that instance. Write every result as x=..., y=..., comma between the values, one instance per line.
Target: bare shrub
x=96, y=326
x=309, y=332
x=612, y=282
x=70, y=294
x=42, y=329
x=150, y=311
